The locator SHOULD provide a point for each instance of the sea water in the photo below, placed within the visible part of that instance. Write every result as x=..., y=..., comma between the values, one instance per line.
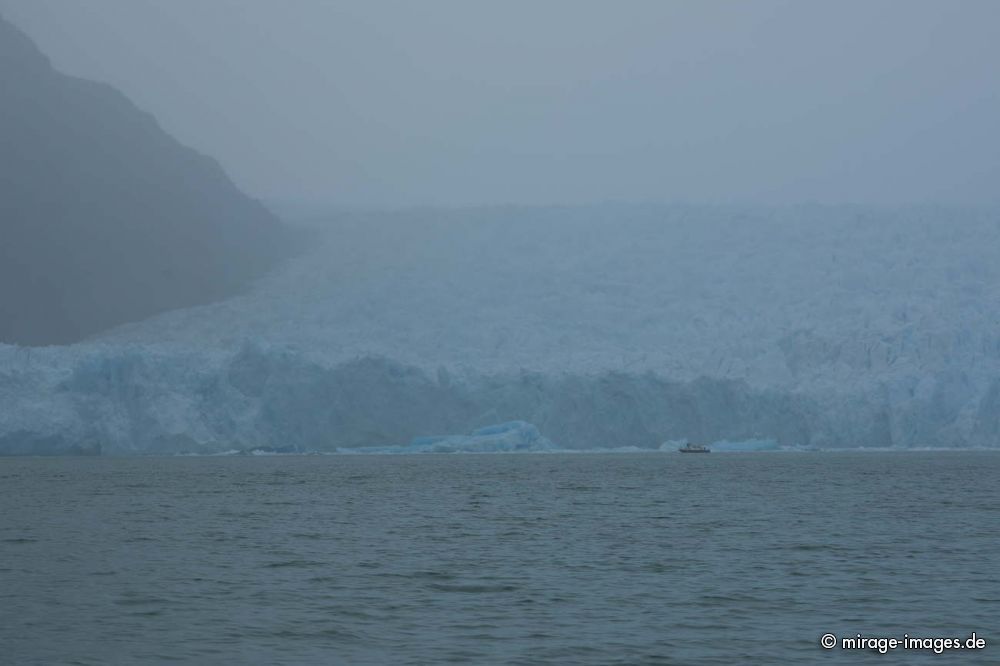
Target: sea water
x=659, y=558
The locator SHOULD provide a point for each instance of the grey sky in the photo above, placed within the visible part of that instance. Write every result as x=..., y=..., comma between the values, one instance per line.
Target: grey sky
x=458, y=101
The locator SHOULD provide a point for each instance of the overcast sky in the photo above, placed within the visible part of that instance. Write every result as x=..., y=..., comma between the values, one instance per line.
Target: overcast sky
x=545, y=101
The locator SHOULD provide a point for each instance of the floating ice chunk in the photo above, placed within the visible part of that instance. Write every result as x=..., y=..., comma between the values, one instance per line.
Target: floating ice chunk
x=500, y=438
x=746, y=445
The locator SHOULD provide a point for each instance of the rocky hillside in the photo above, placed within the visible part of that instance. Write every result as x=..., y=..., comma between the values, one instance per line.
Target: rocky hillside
x=104, y=217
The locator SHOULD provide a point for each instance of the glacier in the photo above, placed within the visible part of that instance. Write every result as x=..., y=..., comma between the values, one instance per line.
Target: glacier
x=604, y=326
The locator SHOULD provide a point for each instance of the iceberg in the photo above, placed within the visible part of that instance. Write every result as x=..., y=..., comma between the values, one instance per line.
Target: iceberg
x=509, y=437
x=745, y=446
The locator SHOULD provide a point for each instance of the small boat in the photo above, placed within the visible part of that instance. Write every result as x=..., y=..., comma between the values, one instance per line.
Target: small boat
x=694, y=448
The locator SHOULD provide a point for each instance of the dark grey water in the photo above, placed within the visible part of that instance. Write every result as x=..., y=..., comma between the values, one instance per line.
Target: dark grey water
x=658, y=558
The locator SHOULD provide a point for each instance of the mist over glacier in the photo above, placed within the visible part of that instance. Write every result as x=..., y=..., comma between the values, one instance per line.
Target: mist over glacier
x=603, y=326
x=757, y=324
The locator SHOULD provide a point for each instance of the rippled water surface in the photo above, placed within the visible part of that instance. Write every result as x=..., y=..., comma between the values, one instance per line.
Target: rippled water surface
x=576, y=559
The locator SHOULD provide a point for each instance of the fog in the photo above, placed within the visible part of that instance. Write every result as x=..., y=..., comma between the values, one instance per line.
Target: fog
x=457, y=102
x=379, y=332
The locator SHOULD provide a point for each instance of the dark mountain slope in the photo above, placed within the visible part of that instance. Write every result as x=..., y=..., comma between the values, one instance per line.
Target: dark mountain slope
x=105, y=218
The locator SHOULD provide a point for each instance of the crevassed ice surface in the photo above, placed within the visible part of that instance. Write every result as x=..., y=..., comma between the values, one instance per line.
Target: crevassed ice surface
x=603, y=326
